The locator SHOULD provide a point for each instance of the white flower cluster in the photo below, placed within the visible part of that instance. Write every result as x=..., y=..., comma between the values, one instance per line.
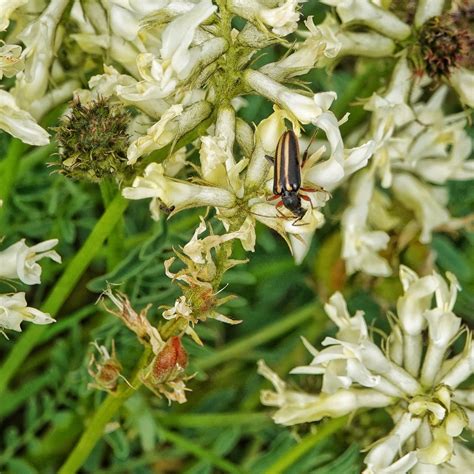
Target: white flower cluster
x=417, y=150
x=181, y=65
x=35, y=68
x=206, y=70
x=385, y=32
x=20, y=262
x=420, y=389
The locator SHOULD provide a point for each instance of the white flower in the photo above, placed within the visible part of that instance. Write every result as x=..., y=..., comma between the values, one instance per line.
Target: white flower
x=392, y=107
x=298, y=407
x=356, y=373
x=443, y=326
x=218, y=165
x=123, y=22
x=319, y=48
x=7, y=7
x=462, y=80
x=177, y=58
x=361, y=244
x=127, y=89
x=20, y=123
x=342, y=42
x=330, y=173
x=281, y=16
x=156, y=136
x=427, y=9
x=416, y=300
x=178, y=35
x=423, y=201
x=439, y=169
x=174, y=123
x=176, y=194
x=365, y=12
x=14, y=310
x=381, y=456
x=282, y=19
x=39, y=37
x=20, y=261
x=305, y=109
x=11, y=61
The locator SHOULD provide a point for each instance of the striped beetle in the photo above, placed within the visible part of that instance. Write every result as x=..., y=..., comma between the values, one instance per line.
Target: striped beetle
x=287, y=175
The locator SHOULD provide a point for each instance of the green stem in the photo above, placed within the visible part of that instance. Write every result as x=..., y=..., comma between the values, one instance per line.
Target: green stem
x=112, y=403
x=63, y=288
x=115, y=239
x=214, y=420
x=9, y=172
x=288, y=458
x=95, y=428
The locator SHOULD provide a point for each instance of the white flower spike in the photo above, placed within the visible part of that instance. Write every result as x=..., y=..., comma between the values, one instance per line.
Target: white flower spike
x=428, y=417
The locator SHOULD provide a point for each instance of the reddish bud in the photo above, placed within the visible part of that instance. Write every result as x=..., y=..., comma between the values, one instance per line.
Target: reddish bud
x=170, y=361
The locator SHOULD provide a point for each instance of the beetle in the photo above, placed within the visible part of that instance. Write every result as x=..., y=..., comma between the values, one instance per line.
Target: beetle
x=287, y=175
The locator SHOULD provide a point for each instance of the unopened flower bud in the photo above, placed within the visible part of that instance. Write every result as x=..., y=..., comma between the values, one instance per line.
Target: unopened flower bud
x=169, y=362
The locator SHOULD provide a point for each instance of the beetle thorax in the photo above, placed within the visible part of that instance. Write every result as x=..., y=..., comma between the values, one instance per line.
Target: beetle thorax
x=292, y=202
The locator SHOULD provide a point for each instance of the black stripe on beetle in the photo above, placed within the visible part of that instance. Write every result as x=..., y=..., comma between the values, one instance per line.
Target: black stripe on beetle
x=287, y=175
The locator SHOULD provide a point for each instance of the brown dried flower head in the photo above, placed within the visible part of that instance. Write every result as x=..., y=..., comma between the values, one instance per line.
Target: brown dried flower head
x=444, y=46
x=106, y=371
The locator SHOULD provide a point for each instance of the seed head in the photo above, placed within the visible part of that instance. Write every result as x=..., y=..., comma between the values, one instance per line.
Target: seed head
x=443, y=46
x=93, y=141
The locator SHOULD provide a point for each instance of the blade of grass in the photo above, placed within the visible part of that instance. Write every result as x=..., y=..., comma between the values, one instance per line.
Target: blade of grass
x=214, y=420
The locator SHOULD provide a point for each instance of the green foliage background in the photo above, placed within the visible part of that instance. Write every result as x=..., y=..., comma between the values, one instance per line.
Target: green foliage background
x=223, y=427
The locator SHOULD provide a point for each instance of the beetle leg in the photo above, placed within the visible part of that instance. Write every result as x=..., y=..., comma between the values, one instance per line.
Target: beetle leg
x=316, y=189
x=306, y=152
x=272, y=198
x=297, y=220
x=279, y=204
x=313, y=190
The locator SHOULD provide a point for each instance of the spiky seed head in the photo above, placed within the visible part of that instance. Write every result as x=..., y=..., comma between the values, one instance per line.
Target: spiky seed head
x=443, y=46
x=93, y=141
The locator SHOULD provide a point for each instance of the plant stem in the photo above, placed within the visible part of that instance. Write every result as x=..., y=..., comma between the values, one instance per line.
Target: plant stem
x=105, y=412
x=63, y=288
x=9, y=172
x=112, y=403
x=289, y=457
x=214, y=420
x=117, y=236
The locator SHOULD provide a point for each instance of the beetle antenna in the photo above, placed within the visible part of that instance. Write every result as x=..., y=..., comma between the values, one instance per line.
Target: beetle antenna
x=281, y=216
x=313, y=136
